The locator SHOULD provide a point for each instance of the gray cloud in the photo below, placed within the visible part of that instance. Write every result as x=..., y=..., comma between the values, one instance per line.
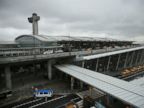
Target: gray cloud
x=117, y=18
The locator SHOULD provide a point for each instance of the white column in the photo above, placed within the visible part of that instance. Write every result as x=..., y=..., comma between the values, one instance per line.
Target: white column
x=8, y=77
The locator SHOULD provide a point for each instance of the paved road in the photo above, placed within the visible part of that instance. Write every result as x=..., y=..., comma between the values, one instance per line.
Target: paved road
x=26, y=102
x=54, y=102
x=60, y=103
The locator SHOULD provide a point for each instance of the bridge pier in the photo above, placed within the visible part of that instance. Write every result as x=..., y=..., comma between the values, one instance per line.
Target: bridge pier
x=49, y=69
x=8, y=77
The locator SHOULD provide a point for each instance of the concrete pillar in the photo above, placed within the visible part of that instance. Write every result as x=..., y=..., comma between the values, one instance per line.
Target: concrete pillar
x=107, y=100
x=8, y=77
x=49, y=69
x=118, y=61
x=72, y=83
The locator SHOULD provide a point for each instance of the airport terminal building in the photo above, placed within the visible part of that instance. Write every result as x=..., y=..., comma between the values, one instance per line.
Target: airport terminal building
x=77, y=42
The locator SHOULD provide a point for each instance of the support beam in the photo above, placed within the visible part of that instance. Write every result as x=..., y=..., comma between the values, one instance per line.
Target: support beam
x=8, y=77
x=141, y=58
x=97, y=64
x=137, y=57
x=118, y=61
x=131, y=64
x=108, y=63
x=49, y=69
x=72, y=83
x=125, y=64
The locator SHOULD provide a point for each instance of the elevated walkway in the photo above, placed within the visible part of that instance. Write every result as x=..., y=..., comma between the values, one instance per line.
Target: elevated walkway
x=110, y=53
x=125, y=91
x=139, y=81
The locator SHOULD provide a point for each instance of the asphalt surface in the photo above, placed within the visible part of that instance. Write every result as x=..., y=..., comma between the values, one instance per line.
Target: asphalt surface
x=25, y=103
x=57, y=101
x=60, y=103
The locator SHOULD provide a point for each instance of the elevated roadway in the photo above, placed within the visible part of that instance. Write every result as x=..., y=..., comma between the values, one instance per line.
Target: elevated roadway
x=14, y=59
x=25, y=58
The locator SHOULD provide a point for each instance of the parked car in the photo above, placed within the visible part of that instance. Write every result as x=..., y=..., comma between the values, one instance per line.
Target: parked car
x=48, y=52
x=58, y=51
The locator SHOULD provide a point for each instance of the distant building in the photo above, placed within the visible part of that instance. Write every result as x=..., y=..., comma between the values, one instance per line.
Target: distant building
x=8, y=44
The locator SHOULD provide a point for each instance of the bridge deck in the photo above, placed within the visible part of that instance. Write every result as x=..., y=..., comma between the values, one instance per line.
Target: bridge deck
x=13, y=59
x=120, y=89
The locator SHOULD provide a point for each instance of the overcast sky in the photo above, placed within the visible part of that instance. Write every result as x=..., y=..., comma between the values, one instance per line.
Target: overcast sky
x=120, y=19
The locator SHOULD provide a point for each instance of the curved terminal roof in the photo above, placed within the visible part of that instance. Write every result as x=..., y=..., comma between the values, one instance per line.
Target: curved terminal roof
x=66, y=38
